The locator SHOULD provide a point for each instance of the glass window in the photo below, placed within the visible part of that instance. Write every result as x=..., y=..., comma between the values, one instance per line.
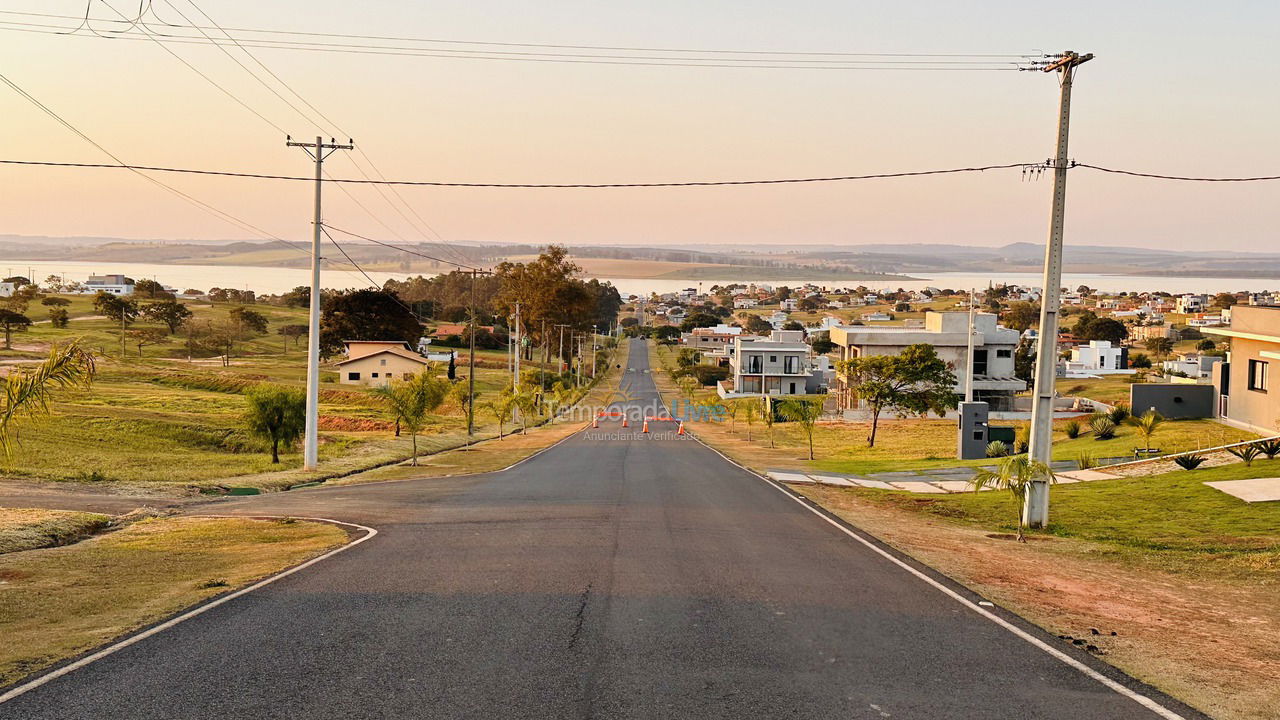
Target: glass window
x=1258, y=375
x=353, y=376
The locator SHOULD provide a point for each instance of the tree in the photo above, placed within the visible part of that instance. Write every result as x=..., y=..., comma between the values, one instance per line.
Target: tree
x=413, y=399
x=1022, y=316
x=699, y=320
x=755, y=325
x=1024, y=360
x=1160, y=346
x=170, y=313
x=142, y=337
x=296, y=332
x=276, y=414
x=11, y=321
x=687, y=358
x=822, y=344
x=768, y=415
x=365, y=315
x=1015, y=473
x=299, y=297
x=1108, y=329
x=805, y=413
x=914, y=382
x=1206, y=345
x=27, y=392
x=1146, y=425
x=502, y=407
x=1224, y=300
x=792, y=325
x=248, y=321
x=902, y=307
x=1139, y=361
x=750, y=411
x=58, y=317
x=54, y=301
x=117, y=309
x=150, y=289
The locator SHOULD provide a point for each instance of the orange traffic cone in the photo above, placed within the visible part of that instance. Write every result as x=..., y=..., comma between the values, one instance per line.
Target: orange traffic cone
x=595, y=421
x=624, y=421
x=645, y=429
x=680, y=431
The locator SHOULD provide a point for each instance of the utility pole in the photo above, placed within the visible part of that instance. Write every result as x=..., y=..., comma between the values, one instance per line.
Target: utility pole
x=319, y=150
x=560, y=354
x=968, y=358
x=593, y=351
x=515, y=380
x=471, y=365
x=1035, y=512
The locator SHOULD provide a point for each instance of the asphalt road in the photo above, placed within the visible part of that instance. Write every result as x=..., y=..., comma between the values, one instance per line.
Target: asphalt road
x=613, y=576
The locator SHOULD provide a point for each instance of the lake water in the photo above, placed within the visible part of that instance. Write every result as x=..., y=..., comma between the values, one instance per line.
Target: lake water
x=278, y=280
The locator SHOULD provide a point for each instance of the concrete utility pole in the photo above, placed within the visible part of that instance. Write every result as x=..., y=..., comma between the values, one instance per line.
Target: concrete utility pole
x=968, y=358
x=319, y=150
x=471, y=371
x=593, y=352
x=515, y=379
x=1035, y=513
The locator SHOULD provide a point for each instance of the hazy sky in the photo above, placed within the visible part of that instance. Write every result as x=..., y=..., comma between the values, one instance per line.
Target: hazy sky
x=1179, y=87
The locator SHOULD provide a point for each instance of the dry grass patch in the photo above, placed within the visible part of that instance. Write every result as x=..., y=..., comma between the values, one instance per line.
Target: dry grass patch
x=31, y=528
x=59, y=602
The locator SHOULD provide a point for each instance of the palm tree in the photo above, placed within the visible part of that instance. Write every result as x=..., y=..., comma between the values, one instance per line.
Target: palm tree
x=1015, y=474
x=802, y=411
x=1146, y=424
x=411, y=400
x=501, y=408
x=750, y=411
x=28, y=391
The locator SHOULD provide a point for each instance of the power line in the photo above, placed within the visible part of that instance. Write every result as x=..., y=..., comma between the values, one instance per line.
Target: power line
x=220, y=214
x=437, y=183
x=553, y=46
x=1183, y=178
x=403, y=249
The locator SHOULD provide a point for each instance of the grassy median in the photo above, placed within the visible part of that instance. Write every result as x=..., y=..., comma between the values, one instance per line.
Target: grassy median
x=58, y=602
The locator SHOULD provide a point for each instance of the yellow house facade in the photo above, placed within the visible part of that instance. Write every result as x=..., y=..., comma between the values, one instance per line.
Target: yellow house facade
x=375, y=362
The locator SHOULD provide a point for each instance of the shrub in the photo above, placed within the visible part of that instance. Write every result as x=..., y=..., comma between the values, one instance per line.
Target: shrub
x=1085, y=460
x=1246, y=453
x=996, y=449
x=1270, y=448
x=1190, y=461
x=1072, y=428
x=1119, y=414
x=1104, y=428
x=710, y=375
x=1022, y=440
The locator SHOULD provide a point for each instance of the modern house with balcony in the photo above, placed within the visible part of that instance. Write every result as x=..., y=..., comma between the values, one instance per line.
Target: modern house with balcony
x=1248, y=382
x=780, y=365
x=994, y=380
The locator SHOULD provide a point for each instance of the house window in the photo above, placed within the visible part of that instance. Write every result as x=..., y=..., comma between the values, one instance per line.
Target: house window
x=791, y=365
x=1004, y=353
x=383, y=361
x=773, y=358
x=374, y=374
x=980, y=362
x=353, y=376
x=755, y=363
x=793, y=388
x=1258, y=375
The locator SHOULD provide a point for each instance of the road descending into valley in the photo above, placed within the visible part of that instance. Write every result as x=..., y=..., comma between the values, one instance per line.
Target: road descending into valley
x=614, y=575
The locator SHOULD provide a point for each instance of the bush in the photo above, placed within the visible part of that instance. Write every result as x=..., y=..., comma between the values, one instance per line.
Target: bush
x=1270, y=448
x=710, y=375
x=1246, y=453
x=1072, y=428
x=997, y=449
x=1085, y=460
x=1190, y=461
x=1119, y=414
x=1104, y=428
x=1022, y=439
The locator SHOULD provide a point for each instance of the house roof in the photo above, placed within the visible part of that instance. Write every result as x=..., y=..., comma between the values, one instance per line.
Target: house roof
x=406, y=354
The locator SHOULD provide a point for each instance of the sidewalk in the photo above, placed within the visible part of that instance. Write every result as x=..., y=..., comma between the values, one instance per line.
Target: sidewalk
x=938, y=480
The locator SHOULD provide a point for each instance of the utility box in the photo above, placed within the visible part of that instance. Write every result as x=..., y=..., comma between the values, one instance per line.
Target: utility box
x=972, y=441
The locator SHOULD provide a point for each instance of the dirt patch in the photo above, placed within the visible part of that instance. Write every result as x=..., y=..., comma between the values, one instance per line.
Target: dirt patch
x=347, y=424
x=1206, y=641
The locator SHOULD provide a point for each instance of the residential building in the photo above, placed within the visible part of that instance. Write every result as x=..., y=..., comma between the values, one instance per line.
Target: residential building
x=789, y=304
x=779, y=365
x=1192, y=365
x=1099, y=357
x=1248, y=382
x=1142, y=333
x=7, y=289
x=994, y=380
x=744, y=303
x=710, y=340
x=1203, y=321
x=378, y=362
x=876, y=317
x=112, y=284
x=1190, y=304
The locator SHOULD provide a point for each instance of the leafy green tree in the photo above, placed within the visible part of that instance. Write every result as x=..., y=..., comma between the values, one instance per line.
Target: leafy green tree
x=365, y=315
x=750, y=409
x=171, y=313
x=502, y=407
x=1022, y=315
x=687, y=358
x=248, y=321
x=822, y=343
x=296, y=332
x=755, y=325
x=913, y=382
x=1139, y=361
x=28, y=391
x=803, y=412
x=1159, y=346
x=115, y=308
x=150, y=289
x=412, y=400
x=276, y=414
x=699, y=320
x=1104, y=329
x=141, y=337
x=768, y=415
x=11, y=321
x=55, y=301
x=1206, y=344
x=1014, y=473
x=59, y=317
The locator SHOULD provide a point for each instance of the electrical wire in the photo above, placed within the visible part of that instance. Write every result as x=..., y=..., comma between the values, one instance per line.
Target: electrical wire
x=438, y=183
x=404, y=249
x=552, y=46
x=1182, y=178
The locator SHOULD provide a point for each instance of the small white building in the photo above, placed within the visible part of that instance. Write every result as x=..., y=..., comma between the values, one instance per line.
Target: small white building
x=777, y=366
x=744, y=303
x=789, y=304
x=1192, y=365
x=7, y=289
x=1189, y=304
x=876, y=317
x=1099, y=357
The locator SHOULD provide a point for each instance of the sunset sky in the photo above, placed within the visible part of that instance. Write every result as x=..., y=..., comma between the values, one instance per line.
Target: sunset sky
x=1177, y=87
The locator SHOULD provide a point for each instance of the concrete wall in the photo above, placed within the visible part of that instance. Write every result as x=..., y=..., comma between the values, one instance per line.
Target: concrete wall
x=1173, y=400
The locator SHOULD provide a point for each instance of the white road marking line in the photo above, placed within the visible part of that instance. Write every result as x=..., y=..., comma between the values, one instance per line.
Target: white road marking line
x=1137, y=697
x=199, y=610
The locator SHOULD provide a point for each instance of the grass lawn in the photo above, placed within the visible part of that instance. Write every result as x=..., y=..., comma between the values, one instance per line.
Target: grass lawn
x=62, y=601
x=31, y=528
x=1109, y=389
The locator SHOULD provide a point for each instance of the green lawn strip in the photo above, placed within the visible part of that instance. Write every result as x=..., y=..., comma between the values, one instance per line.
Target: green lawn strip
x=62, y=601
x=31, y=528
